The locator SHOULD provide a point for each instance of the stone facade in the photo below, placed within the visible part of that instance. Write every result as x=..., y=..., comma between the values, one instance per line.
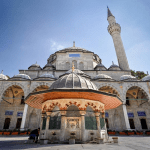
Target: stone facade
x=134, y=93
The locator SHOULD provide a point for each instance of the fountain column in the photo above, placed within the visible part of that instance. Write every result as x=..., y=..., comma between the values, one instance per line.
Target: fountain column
x=42, y=132
x=47, y=124
x=63, y=125
x=97, y=114
x=82, y=113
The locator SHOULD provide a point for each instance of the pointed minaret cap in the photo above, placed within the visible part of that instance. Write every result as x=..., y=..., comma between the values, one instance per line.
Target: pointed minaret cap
x=109, y=13
x=73, y=43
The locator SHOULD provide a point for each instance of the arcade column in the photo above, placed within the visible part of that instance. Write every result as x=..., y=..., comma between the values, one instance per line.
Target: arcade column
x=126, y=117
x=24, y=117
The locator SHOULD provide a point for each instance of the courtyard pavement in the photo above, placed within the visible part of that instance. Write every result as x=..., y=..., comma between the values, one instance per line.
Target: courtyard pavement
x=125, y=143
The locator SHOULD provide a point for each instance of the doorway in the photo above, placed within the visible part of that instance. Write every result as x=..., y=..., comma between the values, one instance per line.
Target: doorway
x=143, y=123
x=18, y=124
x=7, y=123
x=131, y=121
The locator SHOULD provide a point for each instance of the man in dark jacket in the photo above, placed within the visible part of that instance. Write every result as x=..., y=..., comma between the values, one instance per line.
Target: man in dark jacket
x=34, y=135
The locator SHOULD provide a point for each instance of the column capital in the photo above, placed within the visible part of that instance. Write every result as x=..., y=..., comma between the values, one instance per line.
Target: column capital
x=63, y=113
x=48, y=114
x=97, y=114
x=43, y=115
x=82, y=113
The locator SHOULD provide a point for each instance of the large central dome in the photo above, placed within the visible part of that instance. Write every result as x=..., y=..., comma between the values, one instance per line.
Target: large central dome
x=73, y=81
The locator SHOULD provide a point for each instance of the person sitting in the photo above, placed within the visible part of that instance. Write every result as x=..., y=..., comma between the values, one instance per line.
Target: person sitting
x=34, y=135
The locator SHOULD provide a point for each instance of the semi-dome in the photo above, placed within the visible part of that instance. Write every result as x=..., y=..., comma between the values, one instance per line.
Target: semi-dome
x=102, y=77
x=146, y=78
x=77, y=71
x=34, y=67
x=3, y=77
x=100, y=67
x=114, y=67
x=21, y=76
x=73, y=81
x=127, y=77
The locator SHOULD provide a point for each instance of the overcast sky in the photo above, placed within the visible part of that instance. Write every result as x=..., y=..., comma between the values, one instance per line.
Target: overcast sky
x=32, y=30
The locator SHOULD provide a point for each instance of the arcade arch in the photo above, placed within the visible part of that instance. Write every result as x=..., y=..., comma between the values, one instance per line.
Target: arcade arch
x=41, y=88
x=13, y=95
x=12, y=106
x=136, y=95
x=109, y=89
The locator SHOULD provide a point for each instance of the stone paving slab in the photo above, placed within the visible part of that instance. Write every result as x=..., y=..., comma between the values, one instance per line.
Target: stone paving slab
x=125, y=143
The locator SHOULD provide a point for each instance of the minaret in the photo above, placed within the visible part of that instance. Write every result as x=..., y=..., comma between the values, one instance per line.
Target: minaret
x=114, y=29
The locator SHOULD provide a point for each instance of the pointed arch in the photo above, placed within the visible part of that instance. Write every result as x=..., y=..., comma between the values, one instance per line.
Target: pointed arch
x=138, y=86
x=36, y=85
x=15, y=88
x=67, y=65
x=110, y=89
x=81, y=66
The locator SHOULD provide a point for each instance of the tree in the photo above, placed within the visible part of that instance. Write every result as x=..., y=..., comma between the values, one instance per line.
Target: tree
x=138, y=74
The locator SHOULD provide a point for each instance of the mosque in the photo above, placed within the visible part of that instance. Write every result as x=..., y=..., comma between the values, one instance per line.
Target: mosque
x=74, y=94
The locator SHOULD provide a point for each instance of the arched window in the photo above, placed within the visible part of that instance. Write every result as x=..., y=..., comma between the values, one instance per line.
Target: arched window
x=90, y=119
x=75, y=64
x=81, y=66
x=67, y=65
x=55, y=119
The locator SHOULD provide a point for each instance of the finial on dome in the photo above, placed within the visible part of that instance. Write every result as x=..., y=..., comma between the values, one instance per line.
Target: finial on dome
x=36, y=62
x=112, y=63
x=2, y=72
x=73, y=43
x=72, y=67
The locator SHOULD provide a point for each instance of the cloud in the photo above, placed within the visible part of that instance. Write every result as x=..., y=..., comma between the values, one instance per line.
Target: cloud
x=54, y=46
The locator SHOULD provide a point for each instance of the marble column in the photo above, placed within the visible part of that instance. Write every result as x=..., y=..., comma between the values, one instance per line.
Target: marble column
x=126, y=117
x=83, y=136
x=42, y=133
x=24, y=117
x=63, y=125
x=47, y=124
x=97, y=114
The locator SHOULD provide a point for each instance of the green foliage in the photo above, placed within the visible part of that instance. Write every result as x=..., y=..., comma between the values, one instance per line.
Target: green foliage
x=138, y=74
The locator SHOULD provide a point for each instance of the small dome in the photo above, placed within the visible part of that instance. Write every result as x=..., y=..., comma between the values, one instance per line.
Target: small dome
x=114, y=67
x=23, y=76
x=73, y=81
x=34, y=66
x=100, y=67
x=102, y=76
x=48, y=66
x=146, y=78
x=3, y=77
x=47, y=75
x=127, y=77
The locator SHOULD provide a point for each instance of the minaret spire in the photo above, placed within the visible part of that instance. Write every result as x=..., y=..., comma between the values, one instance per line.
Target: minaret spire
x=73, y=43
x=109, y=12
x=114, y=29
